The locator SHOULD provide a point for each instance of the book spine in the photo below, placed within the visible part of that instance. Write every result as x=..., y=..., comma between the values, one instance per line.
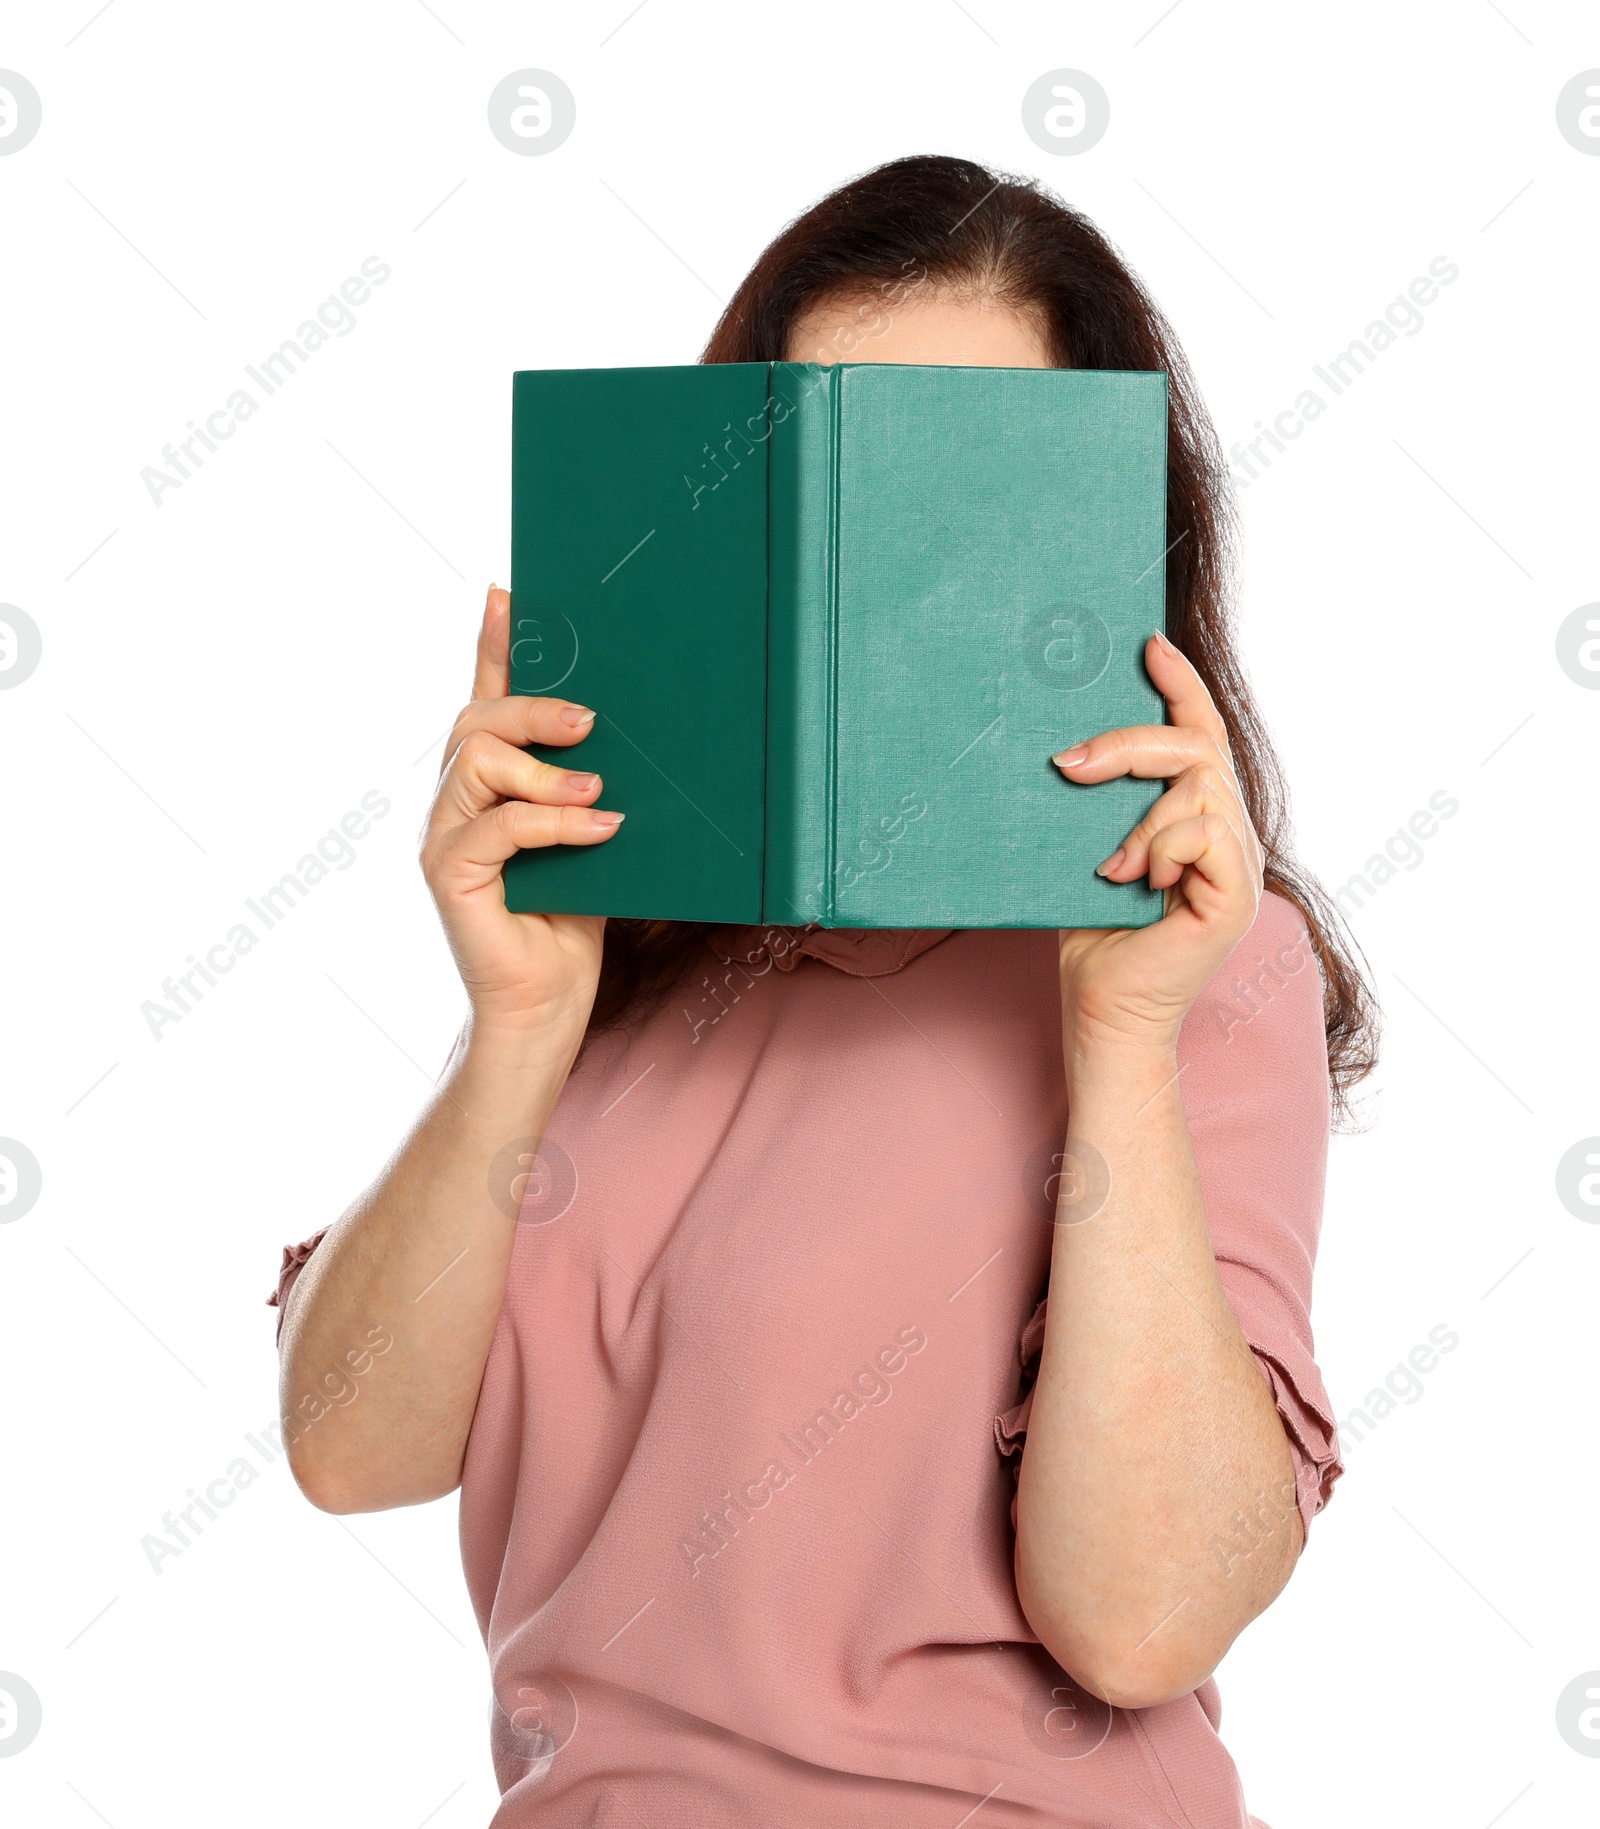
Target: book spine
x=830, y=623
x=801, y=599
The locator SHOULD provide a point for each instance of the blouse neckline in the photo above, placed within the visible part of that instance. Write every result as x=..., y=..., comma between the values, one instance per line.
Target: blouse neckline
x=863, y=952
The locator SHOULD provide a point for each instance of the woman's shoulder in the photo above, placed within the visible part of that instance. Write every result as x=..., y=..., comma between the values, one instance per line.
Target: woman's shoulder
x=1260, y=1015
x=1278, y=915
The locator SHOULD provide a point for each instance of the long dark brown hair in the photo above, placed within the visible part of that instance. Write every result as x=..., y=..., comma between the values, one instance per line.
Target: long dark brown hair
x=953, y=227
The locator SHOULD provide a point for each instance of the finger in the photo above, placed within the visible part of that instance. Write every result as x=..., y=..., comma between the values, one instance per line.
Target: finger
x=1150, y=751
x=1197, y=791
x=491, y=677
x=1189, y=704
x=484, y=770
x=1207, y=846
x=471, y=853
x=521, y=720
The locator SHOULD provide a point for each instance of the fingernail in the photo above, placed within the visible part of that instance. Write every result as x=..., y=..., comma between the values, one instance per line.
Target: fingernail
x=1161, y=637
x=576, y=715
x=583, y=784
x=1070, y=758
x=1111, y=862
x=606, y=822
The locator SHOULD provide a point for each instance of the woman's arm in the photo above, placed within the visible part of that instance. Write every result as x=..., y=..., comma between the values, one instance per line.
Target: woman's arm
x=412, y=1278
x=419, y=1261
x=1152, y=1427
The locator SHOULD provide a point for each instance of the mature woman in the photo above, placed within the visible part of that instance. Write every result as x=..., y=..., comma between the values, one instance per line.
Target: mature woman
x=756, y=1527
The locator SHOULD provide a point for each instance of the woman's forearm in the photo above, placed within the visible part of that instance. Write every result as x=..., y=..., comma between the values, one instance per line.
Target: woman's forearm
x=388, y=1328
x=1152, y=1427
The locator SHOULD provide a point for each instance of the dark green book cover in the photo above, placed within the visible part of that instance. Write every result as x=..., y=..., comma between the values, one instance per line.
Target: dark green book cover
x=834, y=622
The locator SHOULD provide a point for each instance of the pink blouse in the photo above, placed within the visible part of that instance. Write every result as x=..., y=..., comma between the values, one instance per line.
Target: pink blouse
x=736, y=1513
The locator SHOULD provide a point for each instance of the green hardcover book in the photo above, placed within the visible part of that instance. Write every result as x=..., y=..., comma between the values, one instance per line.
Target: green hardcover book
x=834, y=622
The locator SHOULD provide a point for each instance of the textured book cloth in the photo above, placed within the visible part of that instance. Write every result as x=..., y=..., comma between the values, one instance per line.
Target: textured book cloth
x=834, y=622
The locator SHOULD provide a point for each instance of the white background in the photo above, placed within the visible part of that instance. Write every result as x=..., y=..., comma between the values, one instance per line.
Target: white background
x=228, y=673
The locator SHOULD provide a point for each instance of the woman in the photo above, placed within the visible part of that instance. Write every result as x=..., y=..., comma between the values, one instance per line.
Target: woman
x=754, y=1523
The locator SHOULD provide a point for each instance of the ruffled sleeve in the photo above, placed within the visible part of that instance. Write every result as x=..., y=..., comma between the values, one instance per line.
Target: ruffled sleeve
x=1011, y=1430
x=294, y=1261
x=1253, y=1058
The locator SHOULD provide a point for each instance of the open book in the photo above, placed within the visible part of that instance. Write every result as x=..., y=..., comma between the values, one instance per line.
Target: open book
x=834, y=621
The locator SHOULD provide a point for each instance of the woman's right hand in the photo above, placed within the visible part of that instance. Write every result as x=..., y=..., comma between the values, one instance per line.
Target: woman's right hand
x=522, y=971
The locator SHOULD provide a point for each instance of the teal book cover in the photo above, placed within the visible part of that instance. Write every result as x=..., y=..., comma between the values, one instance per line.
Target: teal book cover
x=834, y=622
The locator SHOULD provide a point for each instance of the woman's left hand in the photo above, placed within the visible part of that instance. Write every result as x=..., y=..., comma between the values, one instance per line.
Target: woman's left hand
x=1135, y=985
